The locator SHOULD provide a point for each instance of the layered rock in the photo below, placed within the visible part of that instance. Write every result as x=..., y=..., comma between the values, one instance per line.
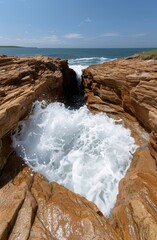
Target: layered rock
x=22, y=81
x=130, y=84
x=134, y=215
x=127, y=89
x=31, y=208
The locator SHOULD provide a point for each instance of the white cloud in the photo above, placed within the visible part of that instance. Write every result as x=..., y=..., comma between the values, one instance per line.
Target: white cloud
x=110, y=34
x=73, y=36
x=27, y=41
x=40, y=40
x=139, y=35
x=86, y=20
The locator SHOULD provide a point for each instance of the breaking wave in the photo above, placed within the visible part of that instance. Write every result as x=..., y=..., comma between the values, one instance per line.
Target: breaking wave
x=78, y=64
x=86, y=153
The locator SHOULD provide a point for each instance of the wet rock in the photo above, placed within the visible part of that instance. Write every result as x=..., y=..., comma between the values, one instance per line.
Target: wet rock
x=33, y=208
x=12, y=197
x=153, y=145
x=134, y=216
x=130, y=85
x=5, y=151
x=65, y=215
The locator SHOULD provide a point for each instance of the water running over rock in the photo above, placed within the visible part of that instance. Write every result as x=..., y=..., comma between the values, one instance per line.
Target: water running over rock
x=87, y=153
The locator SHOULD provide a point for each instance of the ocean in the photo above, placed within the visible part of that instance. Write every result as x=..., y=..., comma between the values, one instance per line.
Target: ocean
x=85, y=56
x=86, y=153
x=78, y=58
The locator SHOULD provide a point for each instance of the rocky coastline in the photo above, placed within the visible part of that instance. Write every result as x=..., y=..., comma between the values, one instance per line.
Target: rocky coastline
x=126, y=89
x=33, y=208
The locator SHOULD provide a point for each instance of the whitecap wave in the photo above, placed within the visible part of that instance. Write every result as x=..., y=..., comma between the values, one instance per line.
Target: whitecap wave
x=88, y=61
x=87, y=153
x=78, y=64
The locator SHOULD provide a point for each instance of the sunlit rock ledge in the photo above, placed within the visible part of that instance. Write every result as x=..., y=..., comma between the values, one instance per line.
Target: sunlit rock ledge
x=32, y=208
x=127, y=89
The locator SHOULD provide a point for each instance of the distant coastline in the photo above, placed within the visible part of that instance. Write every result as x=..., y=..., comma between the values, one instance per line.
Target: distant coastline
x=11, y=47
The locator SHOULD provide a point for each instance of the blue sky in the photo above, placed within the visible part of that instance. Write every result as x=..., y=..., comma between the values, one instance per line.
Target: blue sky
x=78, y=23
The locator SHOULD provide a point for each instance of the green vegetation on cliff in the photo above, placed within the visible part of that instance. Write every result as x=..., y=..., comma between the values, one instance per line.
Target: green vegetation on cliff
x=152, y=54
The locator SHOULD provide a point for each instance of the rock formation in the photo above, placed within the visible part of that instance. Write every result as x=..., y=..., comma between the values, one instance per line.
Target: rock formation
x=31, y=207
x=124, y=85
x=127, y=88
x=22, y=81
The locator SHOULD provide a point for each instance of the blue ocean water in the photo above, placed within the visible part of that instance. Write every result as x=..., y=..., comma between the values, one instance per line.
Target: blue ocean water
x=85, y=56
x=78, y=58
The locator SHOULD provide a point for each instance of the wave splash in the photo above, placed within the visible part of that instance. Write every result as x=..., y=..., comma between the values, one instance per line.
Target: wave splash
x=86, y=153
x=78, y=64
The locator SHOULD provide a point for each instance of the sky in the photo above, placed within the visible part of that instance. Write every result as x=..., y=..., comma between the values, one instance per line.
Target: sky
x=79, y=23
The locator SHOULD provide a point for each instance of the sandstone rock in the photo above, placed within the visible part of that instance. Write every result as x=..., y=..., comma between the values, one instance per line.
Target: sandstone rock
x=5, y=151
x=153, y=145
x=33, y=208
x=25, y=79
x=134, y=216
x=129, y=83
x=65, y=215
x=11, y=200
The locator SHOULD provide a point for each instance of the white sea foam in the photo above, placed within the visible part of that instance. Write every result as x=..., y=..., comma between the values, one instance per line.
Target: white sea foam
x=78, y=69
x=88, y=60
x=87, y=153
x=78, y=64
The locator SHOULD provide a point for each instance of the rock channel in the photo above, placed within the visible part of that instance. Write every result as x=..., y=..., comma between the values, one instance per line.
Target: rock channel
x=32, y=208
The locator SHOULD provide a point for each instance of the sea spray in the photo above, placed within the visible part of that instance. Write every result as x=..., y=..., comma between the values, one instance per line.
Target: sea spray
x=78, y=64
x=78, y=69
x=86, y=153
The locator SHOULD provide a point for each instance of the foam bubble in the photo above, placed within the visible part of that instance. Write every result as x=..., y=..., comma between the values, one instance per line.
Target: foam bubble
x=87, y=153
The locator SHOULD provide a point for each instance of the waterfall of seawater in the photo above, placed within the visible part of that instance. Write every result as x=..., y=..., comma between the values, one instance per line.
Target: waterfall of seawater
x=86, y=153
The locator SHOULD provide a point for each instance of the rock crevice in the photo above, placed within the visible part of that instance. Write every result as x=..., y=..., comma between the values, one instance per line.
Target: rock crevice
x=30, y=206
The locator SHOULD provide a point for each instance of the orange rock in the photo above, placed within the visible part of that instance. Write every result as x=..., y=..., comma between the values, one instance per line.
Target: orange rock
x=33, y=208
x=134, y=216
x=129, y=83
x=26, y=79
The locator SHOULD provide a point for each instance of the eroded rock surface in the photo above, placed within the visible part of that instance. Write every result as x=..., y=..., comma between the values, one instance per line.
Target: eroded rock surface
x=22, y=81
x=25, y=79
x=134, y=216
x=127, y=89
x=31, y=208
x=124, y=85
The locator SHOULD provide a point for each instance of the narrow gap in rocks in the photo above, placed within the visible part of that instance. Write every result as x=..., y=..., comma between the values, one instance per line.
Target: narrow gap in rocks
x=74, y=93
x=66, y=143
